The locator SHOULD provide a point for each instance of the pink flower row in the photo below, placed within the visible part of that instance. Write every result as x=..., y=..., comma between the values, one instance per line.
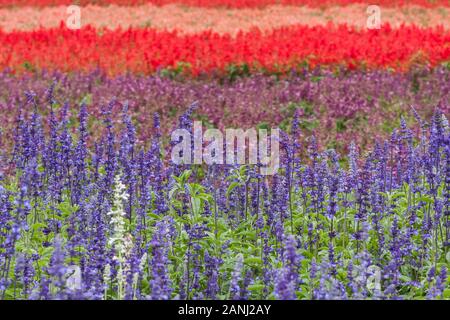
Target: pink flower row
x=221, y=20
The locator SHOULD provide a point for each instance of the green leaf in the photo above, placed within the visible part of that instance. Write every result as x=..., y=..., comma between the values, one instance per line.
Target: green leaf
x=446, y=293
x=253, y=260
x=231, y=187
x=256, y=287
x=153, y=215
x=37, y=226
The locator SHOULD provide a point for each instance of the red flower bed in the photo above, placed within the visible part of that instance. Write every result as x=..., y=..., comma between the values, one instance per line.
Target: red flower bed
x=227, y=3
x=144, y=51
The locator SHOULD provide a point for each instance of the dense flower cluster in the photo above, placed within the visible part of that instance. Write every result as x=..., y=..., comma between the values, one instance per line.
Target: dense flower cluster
x=337, y=107
x=145, y=51
x=114, y=221
x=226, y=3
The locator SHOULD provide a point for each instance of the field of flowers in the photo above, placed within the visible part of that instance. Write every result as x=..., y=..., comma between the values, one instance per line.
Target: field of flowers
x=92, y=205
x=145, y=51
x=225, y=3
